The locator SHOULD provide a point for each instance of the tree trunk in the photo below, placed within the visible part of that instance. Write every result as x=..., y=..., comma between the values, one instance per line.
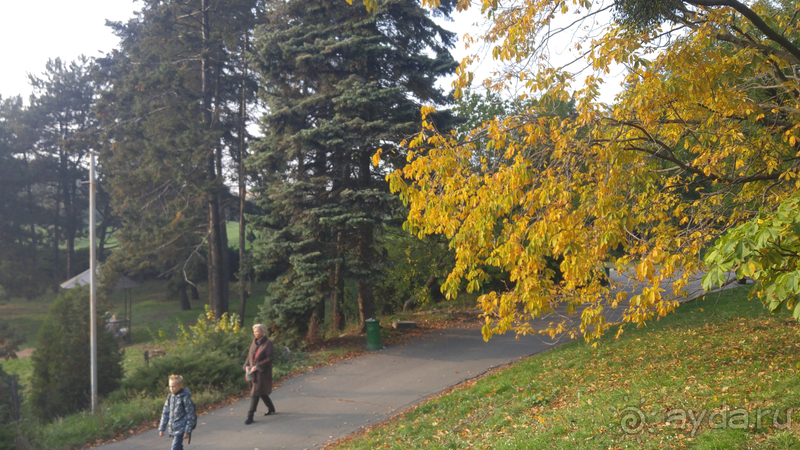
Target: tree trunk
x=337, y=296
x=56, y=239
x=185, y=305
x=34, y=236
x=34, y=248
x=244, y=267
x=366, y=300
x=103, y=236
x=15, y=400
x=217, y=297
x=70, y=216
x=225, y=274
x=366, y=250
x=320, y=309
x=195, y=294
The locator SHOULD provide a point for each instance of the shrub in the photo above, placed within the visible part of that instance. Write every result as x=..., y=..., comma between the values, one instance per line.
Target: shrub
x=288, y=305
x=410, y=263
x=61, y=383
x=209, y=355
x=201, y=370
x=9, y=341
x=7, y=406
x=224, y=335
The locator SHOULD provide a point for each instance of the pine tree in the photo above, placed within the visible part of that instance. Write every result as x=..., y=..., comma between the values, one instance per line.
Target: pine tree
x=13, y=234
x=24, y=184
x=62, y=105
x=339, y=83
x=170, y=110
x=43, y=160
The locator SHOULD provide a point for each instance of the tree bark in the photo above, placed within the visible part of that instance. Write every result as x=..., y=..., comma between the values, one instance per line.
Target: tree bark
x=185, y=305
x=337, y=296
x=225, y=274
x=15, y=400
x=244, y=268
x=56, y=239
x=34, y=236
x=366, y=300
x=366, y=249
x=103, y=236
x=71, y=229
x=217, y=298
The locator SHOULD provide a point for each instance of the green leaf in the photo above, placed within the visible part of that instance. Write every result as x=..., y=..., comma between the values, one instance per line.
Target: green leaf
x=740, y=252
x=714, y=278
x=711, y=256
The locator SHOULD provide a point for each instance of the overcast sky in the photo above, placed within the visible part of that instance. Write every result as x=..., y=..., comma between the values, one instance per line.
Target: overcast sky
x=32, y=31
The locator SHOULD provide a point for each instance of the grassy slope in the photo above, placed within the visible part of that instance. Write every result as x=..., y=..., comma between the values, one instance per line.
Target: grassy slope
x=233, y=238
x=152, y=310
x=702, y=358
x=150, y=305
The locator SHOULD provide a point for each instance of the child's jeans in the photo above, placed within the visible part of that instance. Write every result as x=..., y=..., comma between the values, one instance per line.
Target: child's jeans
x=177, y=441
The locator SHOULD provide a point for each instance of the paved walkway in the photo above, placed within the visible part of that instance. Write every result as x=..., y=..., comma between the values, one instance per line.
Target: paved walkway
x=331, y=402
x=334, y=401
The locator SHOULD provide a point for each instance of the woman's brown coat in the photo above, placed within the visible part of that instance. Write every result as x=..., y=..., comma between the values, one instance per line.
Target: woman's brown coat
x=262, y=380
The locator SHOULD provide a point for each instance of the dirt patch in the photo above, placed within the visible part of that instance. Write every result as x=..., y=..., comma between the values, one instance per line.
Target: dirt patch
x=25, y=353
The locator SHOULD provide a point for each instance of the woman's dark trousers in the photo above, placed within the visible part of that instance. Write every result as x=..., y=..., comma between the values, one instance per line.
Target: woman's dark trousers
x=254, y=405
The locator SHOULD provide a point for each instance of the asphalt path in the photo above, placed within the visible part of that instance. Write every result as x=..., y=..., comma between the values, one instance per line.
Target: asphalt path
x=331, y=402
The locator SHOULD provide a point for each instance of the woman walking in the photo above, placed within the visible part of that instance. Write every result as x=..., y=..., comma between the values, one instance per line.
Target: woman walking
x=258, y=370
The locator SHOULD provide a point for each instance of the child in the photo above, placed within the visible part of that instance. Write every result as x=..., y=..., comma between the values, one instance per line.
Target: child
x=178, y=417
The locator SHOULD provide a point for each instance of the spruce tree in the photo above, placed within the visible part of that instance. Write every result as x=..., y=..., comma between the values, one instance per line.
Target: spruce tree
x=62, y=384
x=339, y=83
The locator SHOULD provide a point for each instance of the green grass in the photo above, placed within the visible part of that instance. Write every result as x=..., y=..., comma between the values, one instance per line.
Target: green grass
x=233, y=239
x=113, y=417
x=152, y=310
x=721, y=354
x=27, y=316
x=233, y=236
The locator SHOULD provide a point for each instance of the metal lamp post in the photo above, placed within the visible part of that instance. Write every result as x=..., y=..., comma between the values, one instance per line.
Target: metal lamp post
x=92, y=282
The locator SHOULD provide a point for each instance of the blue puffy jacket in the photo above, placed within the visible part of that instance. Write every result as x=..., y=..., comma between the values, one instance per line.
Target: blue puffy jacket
x=178, y=415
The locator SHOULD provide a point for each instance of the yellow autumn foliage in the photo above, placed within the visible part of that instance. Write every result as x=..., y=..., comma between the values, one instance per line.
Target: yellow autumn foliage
x=703, y=134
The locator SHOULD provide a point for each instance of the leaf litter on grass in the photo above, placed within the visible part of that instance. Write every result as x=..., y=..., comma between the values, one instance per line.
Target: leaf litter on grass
x=734, y=361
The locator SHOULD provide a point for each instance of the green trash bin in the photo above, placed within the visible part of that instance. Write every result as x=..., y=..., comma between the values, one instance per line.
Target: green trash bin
x=373, y=334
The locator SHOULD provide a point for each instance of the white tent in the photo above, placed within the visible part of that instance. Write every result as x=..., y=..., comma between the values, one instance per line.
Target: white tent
x=123, y=283
x=82, y=279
